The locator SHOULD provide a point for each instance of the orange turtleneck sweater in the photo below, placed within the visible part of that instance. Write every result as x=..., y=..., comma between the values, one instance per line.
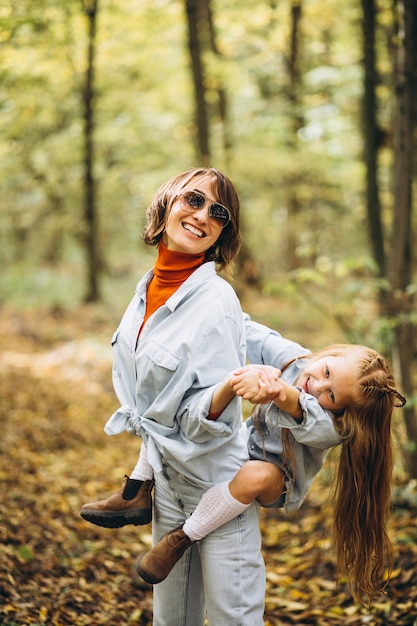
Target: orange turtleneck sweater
x=170, y=271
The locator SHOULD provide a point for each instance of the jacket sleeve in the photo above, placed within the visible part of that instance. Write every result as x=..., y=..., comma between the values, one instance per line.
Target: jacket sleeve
x=316, y=430
x=211, y=366
x=268, y=347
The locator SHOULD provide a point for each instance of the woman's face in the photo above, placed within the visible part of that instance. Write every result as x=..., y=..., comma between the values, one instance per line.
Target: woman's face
x=191, y=232
x=332, y=380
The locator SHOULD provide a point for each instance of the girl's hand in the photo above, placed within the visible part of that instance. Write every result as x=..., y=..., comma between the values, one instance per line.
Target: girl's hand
x=245, y=382
x=257, y=383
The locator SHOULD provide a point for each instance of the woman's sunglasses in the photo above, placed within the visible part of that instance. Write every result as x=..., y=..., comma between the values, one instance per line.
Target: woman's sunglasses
x=195, y=200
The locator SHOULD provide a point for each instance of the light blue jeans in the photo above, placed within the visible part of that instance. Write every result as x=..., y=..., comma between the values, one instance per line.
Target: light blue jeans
x=222, y=576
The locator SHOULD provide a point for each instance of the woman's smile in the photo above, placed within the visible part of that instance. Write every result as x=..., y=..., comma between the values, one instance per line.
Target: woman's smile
x=192, y=229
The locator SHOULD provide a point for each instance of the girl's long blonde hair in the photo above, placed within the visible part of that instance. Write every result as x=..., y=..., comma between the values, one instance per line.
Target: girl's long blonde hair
x=362, y=487
x=364, y=476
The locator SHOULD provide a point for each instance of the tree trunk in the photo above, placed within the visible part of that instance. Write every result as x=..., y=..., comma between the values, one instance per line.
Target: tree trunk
x=248, y=272
x=90, y=210
x=294, y=206
x=195, y=27
x=401, y=262
x=371, y=141
x=222, y=104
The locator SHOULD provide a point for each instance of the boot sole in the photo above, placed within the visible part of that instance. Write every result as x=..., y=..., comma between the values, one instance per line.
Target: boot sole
x=149, y=579
x=110, y=519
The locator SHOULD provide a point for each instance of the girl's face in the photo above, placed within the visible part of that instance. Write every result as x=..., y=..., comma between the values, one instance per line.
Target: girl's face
x=332, y=380
x=191, y=232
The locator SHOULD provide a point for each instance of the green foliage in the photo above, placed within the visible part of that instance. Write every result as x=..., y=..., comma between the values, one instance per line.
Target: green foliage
x=144, y=133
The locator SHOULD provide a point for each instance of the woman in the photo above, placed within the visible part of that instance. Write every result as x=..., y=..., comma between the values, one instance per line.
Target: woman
x=181, y=334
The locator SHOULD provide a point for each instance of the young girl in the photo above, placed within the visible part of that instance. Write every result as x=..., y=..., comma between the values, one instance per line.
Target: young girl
x=344, y=394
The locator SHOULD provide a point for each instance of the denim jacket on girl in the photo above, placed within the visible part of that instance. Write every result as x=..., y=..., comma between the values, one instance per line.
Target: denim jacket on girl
x=313, y=436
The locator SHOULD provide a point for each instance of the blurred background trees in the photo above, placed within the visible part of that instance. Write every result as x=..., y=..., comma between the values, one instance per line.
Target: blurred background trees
x=308, y=106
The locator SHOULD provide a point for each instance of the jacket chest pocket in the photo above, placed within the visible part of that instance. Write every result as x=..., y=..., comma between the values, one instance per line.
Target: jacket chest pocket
x=156, y=366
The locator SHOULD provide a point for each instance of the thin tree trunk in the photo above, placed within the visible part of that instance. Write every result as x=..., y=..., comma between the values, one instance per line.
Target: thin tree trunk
x=220, y=88
x=371, y=139
x=194, y=19
x=90, y=209
x=297, y=121
x=402, y=245
x=247, y=270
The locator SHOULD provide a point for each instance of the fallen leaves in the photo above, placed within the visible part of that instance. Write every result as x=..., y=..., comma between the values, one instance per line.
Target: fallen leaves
x=56, y=569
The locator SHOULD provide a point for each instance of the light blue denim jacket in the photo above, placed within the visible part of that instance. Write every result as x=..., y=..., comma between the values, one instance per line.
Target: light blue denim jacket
x=166, y=380
x=165, y=383
x=314, y=435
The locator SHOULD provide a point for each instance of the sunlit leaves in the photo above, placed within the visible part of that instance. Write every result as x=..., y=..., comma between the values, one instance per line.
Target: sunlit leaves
x=144, y=123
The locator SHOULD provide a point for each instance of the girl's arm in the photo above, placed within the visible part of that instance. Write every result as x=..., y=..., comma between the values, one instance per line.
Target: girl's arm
x=221, y=398
x=233, y=385
x=288, y=400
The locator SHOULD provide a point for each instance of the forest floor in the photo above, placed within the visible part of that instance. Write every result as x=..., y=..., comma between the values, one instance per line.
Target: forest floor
x=56, y=569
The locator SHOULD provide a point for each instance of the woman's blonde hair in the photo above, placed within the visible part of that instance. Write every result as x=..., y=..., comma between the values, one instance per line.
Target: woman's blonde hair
x=362, y=487
x=223, y=190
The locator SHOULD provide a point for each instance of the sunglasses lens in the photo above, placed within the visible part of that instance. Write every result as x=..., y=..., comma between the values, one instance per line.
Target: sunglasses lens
x=219, y=213
x=194, y=200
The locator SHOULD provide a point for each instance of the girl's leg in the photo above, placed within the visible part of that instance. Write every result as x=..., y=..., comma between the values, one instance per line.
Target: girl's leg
x=220, y=504
x=216, y=507
x=255, y=480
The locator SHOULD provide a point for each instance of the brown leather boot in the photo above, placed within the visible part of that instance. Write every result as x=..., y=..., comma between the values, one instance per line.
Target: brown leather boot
x=132, y=504
x=155, y=565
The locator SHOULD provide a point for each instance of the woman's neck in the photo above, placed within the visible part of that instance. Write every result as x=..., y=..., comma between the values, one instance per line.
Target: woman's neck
x=172, y=267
